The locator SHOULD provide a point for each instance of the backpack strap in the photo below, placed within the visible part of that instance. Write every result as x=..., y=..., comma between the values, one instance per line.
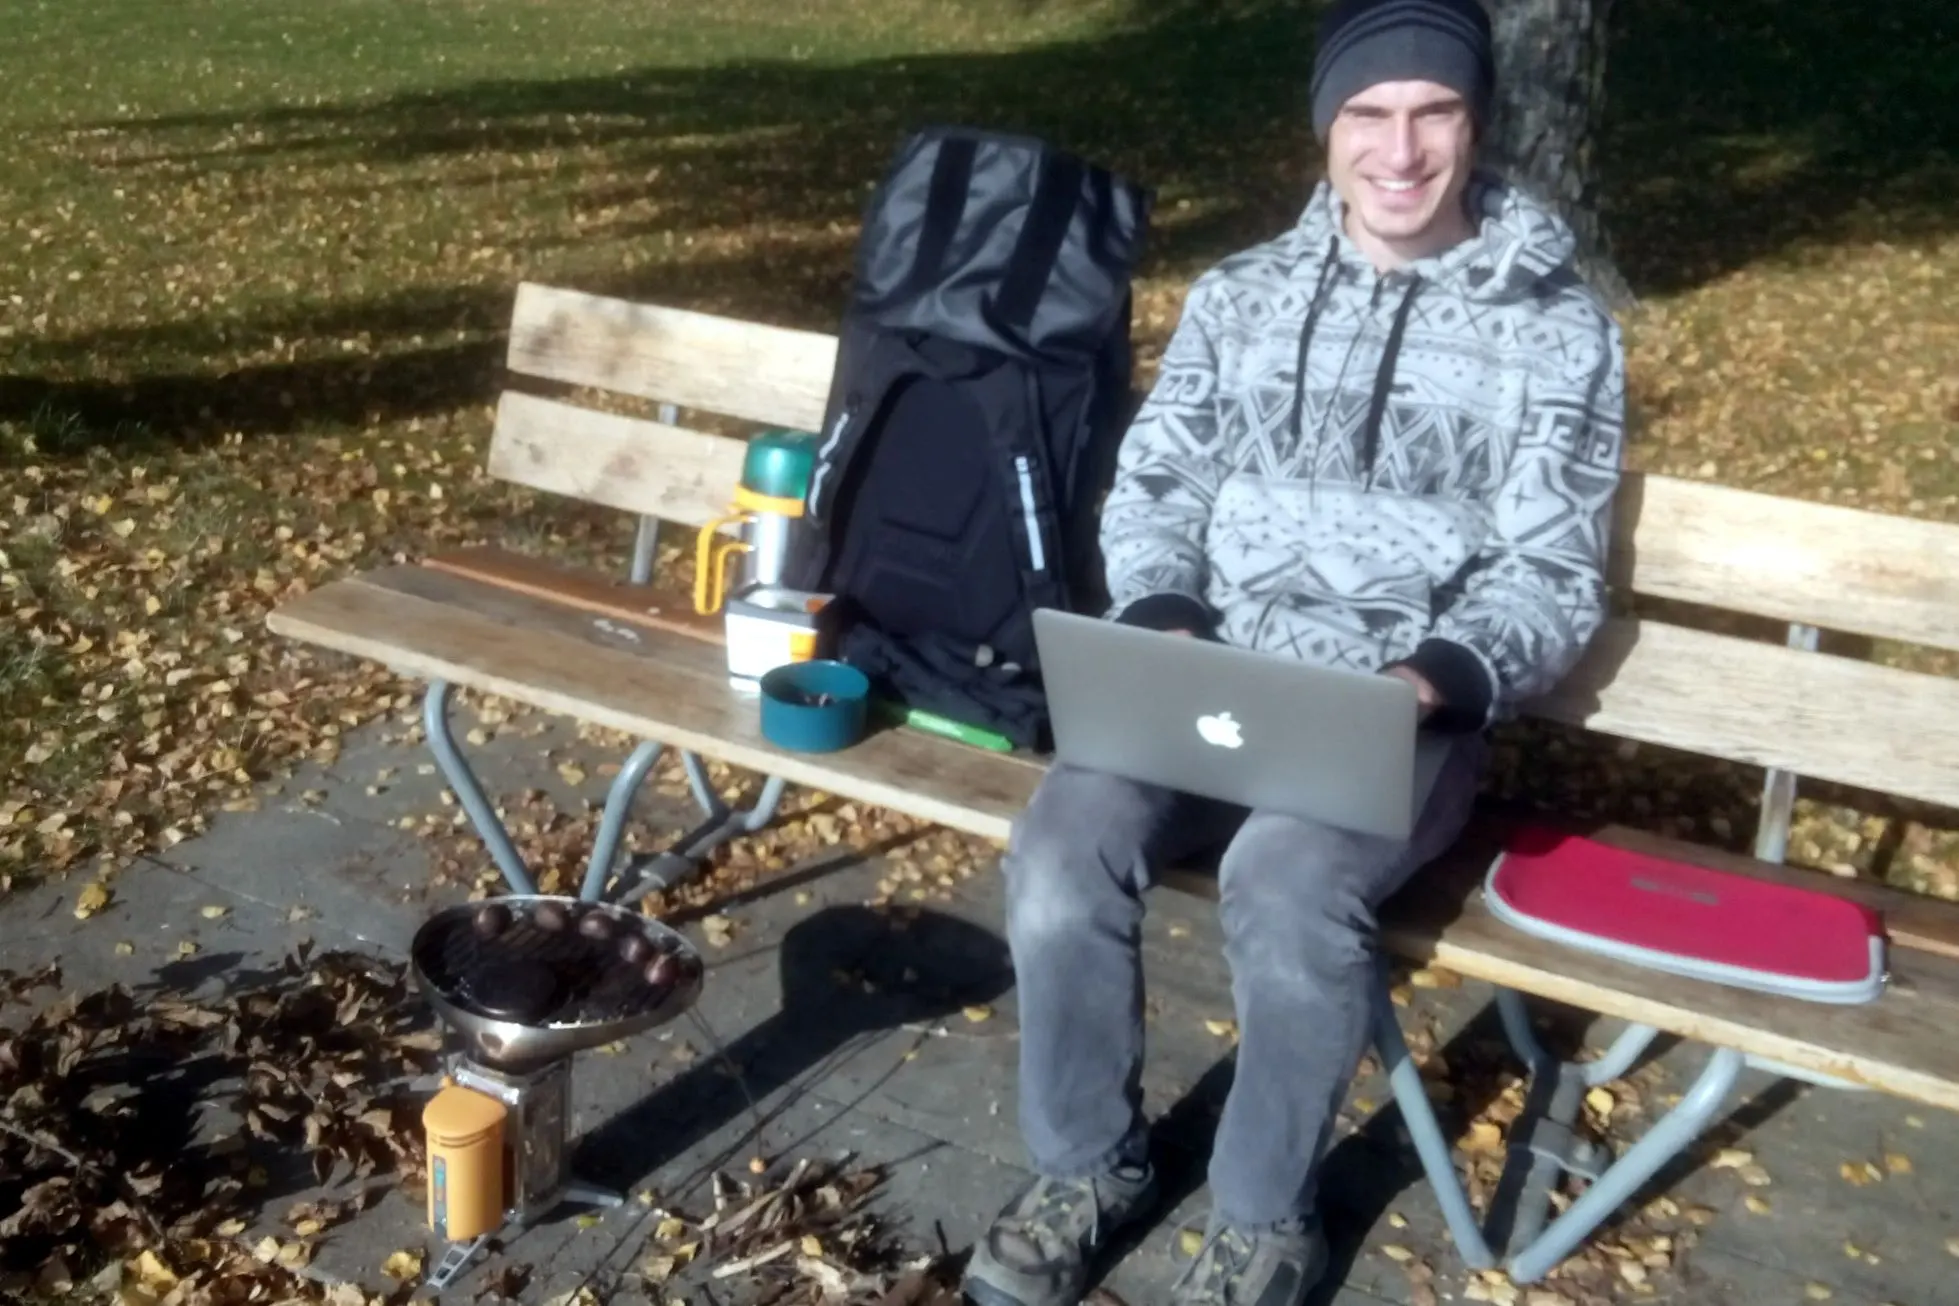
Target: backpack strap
x=1049, y=216
x=945, y=207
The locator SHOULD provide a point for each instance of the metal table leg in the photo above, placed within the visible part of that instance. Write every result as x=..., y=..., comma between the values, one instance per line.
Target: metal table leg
x=1543, y=1145
x=682, y=858
x=456, y=769
x=1668, y=1137
x=1426, y=1131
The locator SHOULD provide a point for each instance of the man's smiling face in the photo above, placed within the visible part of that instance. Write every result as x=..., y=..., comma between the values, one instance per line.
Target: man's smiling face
x=1399, y=154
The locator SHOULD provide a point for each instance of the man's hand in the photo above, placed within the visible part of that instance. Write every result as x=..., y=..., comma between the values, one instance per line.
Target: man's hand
x=1425, y=696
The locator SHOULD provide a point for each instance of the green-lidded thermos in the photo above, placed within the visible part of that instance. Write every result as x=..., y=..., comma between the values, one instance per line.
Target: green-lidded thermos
x=768, y=507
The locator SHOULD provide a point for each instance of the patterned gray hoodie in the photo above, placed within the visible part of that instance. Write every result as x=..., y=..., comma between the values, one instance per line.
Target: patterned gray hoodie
x=1362, y=469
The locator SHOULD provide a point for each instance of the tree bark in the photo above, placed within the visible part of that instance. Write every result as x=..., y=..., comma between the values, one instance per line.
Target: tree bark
x=1550, y=72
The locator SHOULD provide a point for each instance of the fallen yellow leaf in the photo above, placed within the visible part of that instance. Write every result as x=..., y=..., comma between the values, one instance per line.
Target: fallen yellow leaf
x=811, y=1245
x=1730, y=1158
x=669, y=1228
x=1545, y=1297
x=1817, y=1292
x=977, y=1014
x=1897, y=1163
x=1601, y=1101
x=125, y=948
x=1222, y=1028
x=1397, y=1253
x=92, y=899
x=1757, y=1205
x=1190, y=1242
x=152, y=1273
x=186, y=949
x=402, y=1265
x=214, y=912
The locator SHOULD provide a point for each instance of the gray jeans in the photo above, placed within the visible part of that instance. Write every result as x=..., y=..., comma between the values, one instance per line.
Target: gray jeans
x=1297, y=906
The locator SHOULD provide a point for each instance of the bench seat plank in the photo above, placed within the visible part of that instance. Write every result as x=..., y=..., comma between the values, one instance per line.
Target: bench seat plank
x=1914, y=919
x=649, y=683
x=654, y=684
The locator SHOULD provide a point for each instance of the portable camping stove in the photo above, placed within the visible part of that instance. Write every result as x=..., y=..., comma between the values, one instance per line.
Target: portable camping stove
x=525, y=982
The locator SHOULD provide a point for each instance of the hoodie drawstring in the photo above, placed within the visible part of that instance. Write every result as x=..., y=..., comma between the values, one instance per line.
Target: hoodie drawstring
x=1327, y=269
x=1370, y=440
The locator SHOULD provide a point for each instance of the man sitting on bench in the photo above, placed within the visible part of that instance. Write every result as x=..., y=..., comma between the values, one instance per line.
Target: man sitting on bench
x=1387, y=440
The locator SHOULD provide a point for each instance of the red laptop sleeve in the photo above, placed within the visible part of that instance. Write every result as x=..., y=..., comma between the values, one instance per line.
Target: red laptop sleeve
x=1688, y=920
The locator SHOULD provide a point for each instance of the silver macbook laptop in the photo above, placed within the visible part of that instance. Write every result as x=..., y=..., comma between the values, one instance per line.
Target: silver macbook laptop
x=1255, y=729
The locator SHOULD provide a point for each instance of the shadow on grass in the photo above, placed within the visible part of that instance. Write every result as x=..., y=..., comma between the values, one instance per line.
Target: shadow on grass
x=1733, y=134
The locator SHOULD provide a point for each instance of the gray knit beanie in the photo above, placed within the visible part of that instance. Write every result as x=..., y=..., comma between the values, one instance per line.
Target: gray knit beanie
x=1363, y=43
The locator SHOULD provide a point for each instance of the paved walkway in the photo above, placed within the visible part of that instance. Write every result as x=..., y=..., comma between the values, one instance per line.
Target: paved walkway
x=851, y=1034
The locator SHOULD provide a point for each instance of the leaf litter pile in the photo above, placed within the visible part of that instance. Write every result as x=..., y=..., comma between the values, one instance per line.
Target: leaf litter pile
x=804, y=1238
x=141, y=1133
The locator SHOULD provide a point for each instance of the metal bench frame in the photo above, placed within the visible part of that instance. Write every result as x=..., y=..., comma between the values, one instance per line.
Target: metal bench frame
x=646, y=873
x=1544, y=1147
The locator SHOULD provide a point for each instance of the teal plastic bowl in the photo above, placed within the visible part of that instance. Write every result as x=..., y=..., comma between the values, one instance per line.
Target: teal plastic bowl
x=815, y=707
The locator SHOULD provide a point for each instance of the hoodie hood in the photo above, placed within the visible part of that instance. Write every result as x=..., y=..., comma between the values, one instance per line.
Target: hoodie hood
x=1519, y=243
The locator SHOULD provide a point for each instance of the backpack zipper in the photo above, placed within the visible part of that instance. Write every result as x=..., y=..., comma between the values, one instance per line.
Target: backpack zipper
x=1037, y=552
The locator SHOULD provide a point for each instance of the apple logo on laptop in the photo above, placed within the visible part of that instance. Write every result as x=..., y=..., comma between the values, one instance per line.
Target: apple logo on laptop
x=1220, y=731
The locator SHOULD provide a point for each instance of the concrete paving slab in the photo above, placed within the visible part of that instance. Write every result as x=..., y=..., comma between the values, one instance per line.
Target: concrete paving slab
x=357, y=878
x=846, y=1029
x=159, y=912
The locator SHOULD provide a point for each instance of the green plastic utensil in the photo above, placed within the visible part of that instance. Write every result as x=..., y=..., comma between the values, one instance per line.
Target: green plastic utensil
x=943, y=726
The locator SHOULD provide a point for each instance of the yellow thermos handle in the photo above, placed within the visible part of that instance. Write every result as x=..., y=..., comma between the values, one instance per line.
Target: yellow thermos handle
x=711, y=564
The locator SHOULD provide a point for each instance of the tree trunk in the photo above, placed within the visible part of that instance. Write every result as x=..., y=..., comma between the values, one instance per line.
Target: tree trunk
x=1550, y=69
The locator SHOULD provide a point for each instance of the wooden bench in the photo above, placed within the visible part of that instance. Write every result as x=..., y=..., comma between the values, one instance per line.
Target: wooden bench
x=612, y=652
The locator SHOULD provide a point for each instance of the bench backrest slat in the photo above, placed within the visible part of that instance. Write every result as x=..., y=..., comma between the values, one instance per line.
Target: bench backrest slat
x=1862, y=572
x=1831, y=718
x=1842, y=568
x=765, y=374
x=622, y=462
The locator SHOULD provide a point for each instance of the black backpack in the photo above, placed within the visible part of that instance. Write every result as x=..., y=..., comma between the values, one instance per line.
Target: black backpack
x=982, y=383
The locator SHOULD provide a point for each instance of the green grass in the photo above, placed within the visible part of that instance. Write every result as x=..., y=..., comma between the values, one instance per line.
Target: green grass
x=260, y=256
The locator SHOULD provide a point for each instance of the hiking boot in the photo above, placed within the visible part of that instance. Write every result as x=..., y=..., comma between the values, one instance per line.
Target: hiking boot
x=1038, y=1251
x=1253, y=1267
